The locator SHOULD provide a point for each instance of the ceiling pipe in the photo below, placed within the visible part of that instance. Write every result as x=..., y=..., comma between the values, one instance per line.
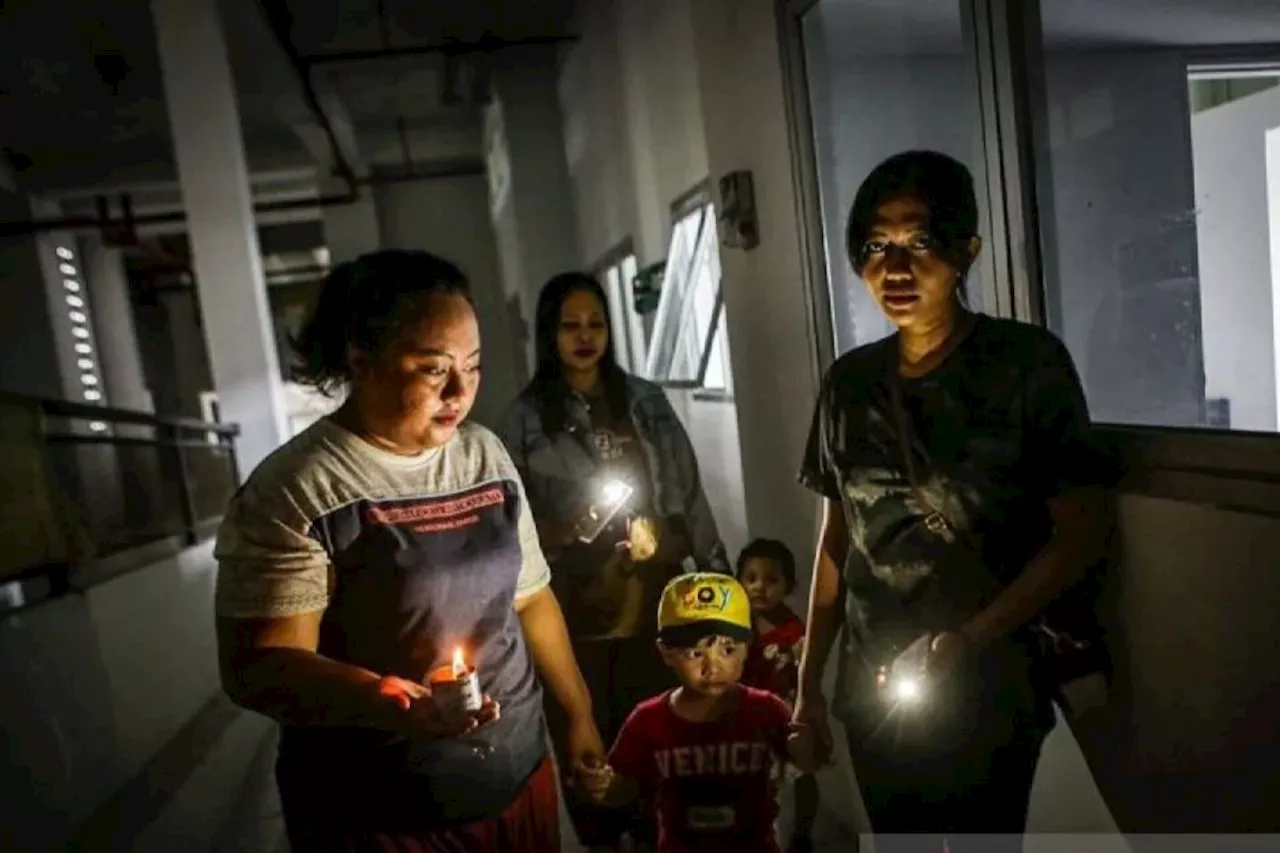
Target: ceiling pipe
x=177, y=217
x=103, y=221
x=279, y=21
x=453, y=48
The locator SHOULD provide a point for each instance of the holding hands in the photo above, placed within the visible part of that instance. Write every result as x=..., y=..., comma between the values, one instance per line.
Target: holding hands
x=809, y=740
x=596, y=778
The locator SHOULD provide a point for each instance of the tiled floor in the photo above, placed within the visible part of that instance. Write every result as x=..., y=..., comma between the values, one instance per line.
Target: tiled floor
x=229, y=803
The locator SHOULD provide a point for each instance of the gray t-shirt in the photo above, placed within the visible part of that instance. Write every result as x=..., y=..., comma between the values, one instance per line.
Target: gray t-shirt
x=408, y=557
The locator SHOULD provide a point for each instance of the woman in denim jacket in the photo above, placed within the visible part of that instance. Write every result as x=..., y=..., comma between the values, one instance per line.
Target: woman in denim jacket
x=582, y=422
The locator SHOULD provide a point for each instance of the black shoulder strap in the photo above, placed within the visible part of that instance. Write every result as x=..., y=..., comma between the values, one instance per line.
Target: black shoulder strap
x=908, y=440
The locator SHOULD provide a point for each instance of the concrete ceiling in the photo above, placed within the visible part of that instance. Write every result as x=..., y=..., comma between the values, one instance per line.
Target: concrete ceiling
x=81, y=97
x=888, y=28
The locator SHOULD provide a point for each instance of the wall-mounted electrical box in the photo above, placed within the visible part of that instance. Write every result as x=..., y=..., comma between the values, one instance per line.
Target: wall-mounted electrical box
x=739, y=227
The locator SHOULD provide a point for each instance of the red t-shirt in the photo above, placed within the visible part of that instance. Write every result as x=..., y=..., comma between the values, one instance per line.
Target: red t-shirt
x=712, y=783
x=773, y=659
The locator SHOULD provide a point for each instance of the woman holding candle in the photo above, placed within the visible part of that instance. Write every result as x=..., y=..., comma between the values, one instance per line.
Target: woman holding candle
x=382, y=592
x=580, y=425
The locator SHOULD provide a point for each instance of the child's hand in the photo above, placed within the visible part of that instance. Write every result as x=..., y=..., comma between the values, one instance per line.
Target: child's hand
x=596, y=778
x=802, y=748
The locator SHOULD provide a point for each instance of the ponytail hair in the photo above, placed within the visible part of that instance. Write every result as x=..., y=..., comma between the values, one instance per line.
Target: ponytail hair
x=363, y=305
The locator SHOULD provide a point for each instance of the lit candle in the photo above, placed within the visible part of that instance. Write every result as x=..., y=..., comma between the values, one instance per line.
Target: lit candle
x=455, y=688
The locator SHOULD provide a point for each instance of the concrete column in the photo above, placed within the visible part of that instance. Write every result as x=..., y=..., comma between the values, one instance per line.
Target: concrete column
x=350, y=230
x=126, y=385
x=201, y=97
x=533, y=205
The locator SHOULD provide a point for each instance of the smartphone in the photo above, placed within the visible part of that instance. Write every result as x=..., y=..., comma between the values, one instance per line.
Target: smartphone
x=905, y=680
x=613, y=497
x=912, y=661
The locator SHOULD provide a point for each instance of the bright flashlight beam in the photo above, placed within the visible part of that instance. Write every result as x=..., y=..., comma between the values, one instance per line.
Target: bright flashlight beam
x=906, y=689
x=614, y=491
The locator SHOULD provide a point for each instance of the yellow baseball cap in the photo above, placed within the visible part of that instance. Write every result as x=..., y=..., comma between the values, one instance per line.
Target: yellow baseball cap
x=703, y=604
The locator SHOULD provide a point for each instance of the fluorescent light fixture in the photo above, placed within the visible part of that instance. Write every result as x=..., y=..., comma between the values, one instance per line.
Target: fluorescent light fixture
x=65, y=253
x=84, y=349
x=71, y=284
x=66, y=269
x=88, y=379
x=78, y=317
x=93, y=395
x=98, y=426
x=75, y=301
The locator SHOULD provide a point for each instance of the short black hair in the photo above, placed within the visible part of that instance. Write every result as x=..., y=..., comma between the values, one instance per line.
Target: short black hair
x=362, y=305
x=773, y=550
x=943, y=184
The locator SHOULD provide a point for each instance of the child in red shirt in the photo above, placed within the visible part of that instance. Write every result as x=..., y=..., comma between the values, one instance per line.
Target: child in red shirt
x=767, y=570
x=708, y=752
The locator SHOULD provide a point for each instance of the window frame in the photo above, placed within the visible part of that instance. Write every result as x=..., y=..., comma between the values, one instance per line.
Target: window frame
x=1230, y=469
x=609, y=260
x=686, y=204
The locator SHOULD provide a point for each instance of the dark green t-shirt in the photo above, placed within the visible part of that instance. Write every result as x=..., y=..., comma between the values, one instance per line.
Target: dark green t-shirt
x=999, y=428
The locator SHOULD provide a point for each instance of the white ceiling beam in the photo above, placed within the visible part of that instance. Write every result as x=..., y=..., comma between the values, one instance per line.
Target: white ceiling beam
x=316, y=141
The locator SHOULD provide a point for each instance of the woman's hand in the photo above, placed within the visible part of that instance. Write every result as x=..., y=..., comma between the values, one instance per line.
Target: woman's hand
x=809, y=742
x=642, y=538
x=946, y=652
x=583, y=746
x=413, y=714
x=595, y=779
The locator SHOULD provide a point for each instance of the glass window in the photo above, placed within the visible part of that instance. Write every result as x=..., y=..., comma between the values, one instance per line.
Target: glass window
x=884, y=78
x=617, y=277
x=689, y=345
x=637, y=343
x=611, y=281
x=1158, y=164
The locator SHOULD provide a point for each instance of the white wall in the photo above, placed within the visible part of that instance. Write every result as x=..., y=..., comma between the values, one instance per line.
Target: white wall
x=635, y=143
x=1233, y=230
x=450, y=217
x=107, y=678
x=595, y=132
x=530, y=195
x=1273, y=216
x=350, y=230
x=739, y=73
x=713, y=430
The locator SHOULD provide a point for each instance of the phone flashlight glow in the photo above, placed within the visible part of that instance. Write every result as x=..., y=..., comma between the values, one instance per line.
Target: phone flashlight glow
x=904, y=681
x=614, y=492
x=907, y=689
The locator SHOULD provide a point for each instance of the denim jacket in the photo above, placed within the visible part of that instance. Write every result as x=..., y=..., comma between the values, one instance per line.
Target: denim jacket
x=556, y=468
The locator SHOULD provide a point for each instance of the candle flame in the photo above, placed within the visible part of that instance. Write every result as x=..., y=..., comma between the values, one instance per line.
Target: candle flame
x=459, y=662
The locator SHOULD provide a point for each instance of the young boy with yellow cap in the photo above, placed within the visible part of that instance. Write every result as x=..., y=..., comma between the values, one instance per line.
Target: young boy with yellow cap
x=706, y=753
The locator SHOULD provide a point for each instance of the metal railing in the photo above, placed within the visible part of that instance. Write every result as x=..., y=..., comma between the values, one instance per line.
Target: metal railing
x=81, y=483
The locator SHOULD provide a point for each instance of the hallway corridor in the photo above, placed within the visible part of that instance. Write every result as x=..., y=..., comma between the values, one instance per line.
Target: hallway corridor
x=223, y=798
